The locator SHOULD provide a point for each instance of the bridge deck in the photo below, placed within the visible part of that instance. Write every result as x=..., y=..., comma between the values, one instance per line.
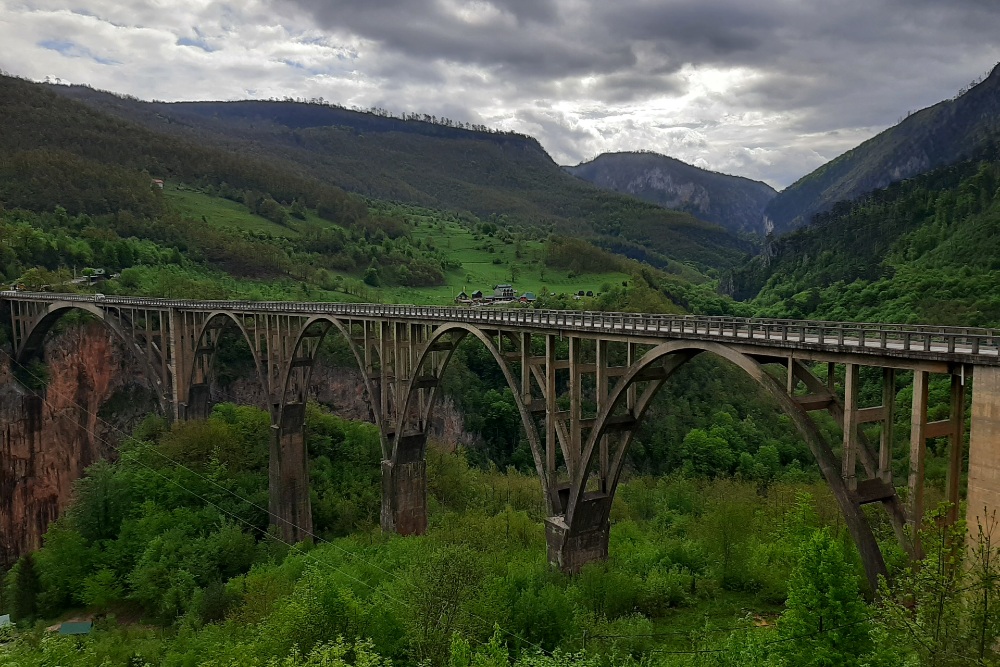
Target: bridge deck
x=904, y=342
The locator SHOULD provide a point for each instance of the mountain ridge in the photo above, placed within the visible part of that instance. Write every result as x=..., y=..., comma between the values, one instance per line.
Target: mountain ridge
x=941, y=134
x=734, y=202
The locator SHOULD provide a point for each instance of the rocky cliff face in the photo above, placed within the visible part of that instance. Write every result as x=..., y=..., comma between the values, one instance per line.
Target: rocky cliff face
x=94, y=397
x=943, y=134
x=733, y=202
x=342, y=391
x=48, y=438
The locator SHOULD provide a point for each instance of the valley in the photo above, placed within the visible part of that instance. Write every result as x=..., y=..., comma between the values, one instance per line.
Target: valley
x=724, y=540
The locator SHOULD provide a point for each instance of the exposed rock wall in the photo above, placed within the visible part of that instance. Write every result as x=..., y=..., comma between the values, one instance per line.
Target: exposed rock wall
x=48, y=438
x=96, y=395
x=342, y=390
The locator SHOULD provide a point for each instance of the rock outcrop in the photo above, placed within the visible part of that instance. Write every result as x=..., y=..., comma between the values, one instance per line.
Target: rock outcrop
x=733, y=202
x=94, y=397
x=48, y=438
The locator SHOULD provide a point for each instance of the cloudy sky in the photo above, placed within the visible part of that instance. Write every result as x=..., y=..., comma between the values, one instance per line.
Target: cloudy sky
x=768, y=89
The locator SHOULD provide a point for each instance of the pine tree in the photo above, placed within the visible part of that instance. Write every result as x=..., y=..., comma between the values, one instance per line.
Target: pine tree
x=825, y=623
x=22, y=589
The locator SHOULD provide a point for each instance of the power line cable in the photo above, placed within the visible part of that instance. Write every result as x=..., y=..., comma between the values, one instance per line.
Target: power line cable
x=265, y=533
x=350, y=553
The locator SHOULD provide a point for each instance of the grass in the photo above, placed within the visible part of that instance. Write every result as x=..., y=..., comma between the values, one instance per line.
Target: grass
x=485, y=260
x=224, y=213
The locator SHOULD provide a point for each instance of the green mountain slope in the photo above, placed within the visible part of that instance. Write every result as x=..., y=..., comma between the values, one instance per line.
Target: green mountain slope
x=939, y=135
x=440, y=166
x=925, y=250
x=733, y=202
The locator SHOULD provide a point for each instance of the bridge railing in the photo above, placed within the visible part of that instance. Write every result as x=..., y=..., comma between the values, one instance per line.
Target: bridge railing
x=861, y=336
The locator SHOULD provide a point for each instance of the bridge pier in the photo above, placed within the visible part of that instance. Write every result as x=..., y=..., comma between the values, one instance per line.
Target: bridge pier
x=572, y=546
x=404, y=488
x=198, y=402
x=288, y=475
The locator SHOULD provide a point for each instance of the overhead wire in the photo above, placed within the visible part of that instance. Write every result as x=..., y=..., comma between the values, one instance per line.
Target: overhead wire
x=265, y=533
x=310, y=556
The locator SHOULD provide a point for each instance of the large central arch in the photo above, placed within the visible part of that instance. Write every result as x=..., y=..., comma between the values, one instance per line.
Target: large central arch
x=580, y=521
x=675, y=354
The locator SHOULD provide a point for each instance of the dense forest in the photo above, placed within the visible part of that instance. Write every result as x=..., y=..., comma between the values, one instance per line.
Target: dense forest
x=922, y=250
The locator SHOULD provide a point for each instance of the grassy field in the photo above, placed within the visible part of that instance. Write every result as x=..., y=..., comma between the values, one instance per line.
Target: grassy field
x=224, y=213
x=485, y=260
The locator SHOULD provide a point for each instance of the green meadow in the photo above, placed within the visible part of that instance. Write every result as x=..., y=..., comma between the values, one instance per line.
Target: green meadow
x=484, y=259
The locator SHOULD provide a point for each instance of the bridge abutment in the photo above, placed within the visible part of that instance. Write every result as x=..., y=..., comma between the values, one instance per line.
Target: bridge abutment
x=984, y=453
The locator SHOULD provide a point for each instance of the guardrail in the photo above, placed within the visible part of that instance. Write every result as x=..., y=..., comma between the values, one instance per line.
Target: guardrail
x=858, y=336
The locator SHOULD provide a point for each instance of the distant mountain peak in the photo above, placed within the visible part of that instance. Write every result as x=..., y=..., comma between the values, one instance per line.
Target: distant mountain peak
x=939, y=135
x=734, y=202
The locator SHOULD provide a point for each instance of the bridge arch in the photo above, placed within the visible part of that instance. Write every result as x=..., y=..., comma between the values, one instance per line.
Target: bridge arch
x=326, y=323
x=205, y=347
x=55, y=311
x=464, y=330
x=673, y=355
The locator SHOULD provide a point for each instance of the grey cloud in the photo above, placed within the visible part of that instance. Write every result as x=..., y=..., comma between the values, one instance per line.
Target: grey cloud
x=768, y=89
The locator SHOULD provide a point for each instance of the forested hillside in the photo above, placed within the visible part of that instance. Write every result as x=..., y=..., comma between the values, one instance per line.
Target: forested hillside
x=947, y=132
x=488, y=174
x=924, y=250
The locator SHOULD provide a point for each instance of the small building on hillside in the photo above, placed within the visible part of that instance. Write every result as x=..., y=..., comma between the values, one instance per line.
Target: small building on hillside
x=156, y=183
x=463, y=298
x=477, y=295
x=505, y=291
x=527, y=297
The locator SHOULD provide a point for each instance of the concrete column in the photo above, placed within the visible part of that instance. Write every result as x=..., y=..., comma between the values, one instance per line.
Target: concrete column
x=888, y=422
x=288, y=476
x=984, y=451
x=570, y=547
x=404, y=488
x=956, y=446
x=849, y=459
x=551, y=444
x=918, y=446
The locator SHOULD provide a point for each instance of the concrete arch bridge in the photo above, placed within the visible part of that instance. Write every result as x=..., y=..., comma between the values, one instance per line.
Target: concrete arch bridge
x=579, y=451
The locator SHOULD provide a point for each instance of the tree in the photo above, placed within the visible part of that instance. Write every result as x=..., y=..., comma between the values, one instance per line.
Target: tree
x=22, y=589
x=943, y=608
x=825, y=623
x=371, y=277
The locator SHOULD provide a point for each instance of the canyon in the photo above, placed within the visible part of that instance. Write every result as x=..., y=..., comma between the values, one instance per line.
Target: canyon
x=94, y=396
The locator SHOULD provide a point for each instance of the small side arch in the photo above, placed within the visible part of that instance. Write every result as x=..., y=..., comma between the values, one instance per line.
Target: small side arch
x=326, y=323
x=199, y=363
x=673, y=355
x=527, y=421
x=34, y=341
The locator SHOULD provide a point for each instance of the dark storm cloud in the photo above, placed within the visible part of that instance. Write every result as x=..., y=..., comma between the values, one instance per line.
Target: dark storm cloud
x=516, y=37
x=769, y=89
